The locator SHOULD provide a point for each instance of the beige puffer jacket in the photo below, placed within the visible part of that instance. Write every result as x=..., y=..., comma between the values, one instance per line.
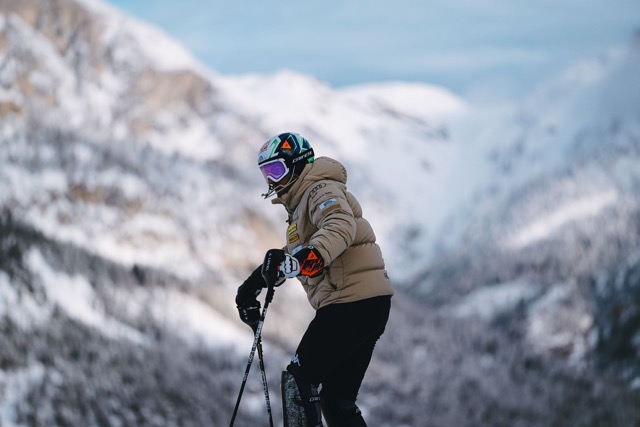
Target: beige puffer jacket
x=324, y=214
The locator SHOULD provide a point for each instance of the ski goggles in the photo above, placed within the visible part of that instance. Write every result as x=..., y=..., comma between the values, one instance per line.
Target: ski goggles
x=274, y=170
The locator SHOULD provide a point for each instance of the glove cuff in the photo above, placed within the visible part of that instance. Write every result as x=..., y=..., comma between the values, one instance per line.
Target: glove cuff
x=311, y=262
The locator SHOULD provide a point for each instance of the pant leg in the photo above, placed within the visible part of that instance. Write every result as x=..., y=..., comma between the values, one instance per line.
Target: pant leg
x=337, y=333
x=341, y=413
x=336, y=349
x=340, y=391
x=344, y=383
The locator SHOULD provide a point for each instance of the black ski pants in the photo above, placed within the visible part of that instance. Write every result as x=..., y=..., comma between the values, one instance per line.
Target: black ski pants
x=336, y=349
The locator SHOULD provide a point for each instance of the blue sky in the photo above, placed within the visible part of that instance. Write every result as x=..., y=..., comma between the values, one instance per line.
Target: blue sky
x=504, y=47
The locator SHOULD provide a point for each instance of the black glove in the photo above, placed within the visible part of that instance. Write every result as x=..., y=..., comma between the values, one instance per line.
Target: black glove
x=250, y=314
x=246, y=298
x=271, y=267
x=250, y=289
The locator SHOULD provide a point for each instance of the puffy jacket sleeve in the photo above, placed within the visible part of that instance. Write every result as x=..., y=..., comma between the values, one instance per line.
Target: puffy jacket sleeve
x=330, y=213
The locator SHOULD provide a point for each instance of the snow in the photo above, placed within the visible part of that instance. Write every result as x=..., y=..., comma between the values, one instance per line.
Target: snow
x=76, y=297
x=188, y=317
x=488, y=302
x=14, y=386
x=164, y=52
x=153, y=244
x=56, y=77
x=196, y=322
x=573, y=210
x=561, y=321
x=413, y=99
x=193, y=140
x=18, y=306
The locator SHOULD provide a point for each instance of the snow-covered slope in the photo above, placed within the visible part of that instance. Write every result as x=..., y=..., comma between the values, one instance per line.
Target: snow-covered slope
x=552, y=201
x=566, y=154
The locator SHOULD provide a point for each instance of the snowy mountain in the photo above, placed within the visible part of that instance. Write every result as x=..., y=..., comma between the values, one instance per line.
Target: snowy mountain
x=552, y=222
x=131, y=211
x=107, y=80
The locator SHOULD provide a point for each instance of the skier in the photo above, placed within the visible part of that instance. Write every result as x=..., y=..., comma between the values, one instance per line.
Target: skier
x=331, y=249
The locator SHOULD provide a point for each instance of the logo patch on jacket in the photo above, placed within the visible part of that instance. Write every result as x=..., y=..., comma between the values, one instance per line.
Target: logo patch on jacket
x=314, y=191
x=327, y=203
x=292, y=229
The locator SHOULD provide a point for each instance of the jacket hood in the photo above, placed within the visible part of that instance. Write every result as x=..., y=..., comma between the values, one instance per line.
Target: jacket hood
x=322, y=168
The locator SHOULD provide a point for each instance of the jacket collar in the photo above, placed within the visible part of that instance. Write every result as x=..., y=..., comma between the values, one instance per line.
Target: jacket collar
x=321, y=168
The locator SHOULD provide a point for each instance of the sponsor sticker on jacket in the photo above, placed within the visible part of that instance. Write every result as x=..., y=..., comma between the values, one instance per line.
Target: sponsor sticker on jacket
x=292, y=229
x=327, y=203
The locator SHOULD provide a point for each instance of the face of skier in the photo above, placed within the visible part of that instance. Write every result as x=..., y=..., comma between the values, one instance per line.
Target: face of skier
x=284, y=183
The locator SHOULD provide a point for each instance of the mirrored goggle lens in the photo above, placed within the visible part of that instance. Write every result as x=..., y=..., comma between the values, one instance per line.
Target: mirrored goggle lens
x=275, y=170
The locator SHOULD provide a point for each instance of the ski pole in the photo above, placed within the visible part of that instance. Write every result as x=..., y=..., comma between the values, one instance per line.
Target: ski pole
x=256, y=340
x=265, y=384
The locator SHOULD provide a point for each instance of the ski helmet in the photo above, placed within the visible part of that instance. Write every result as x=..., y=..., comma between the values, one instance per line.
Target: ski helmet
x=281, y=160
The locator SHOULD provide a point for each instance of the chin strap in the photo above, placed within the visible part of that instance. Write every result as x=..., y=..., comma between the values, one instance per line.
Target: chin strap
x=279, y=189
x=269, y=193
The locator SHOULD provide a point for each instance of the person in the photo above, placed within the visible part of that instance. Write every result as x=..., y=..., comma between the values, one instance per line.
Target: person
x=331, y=249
